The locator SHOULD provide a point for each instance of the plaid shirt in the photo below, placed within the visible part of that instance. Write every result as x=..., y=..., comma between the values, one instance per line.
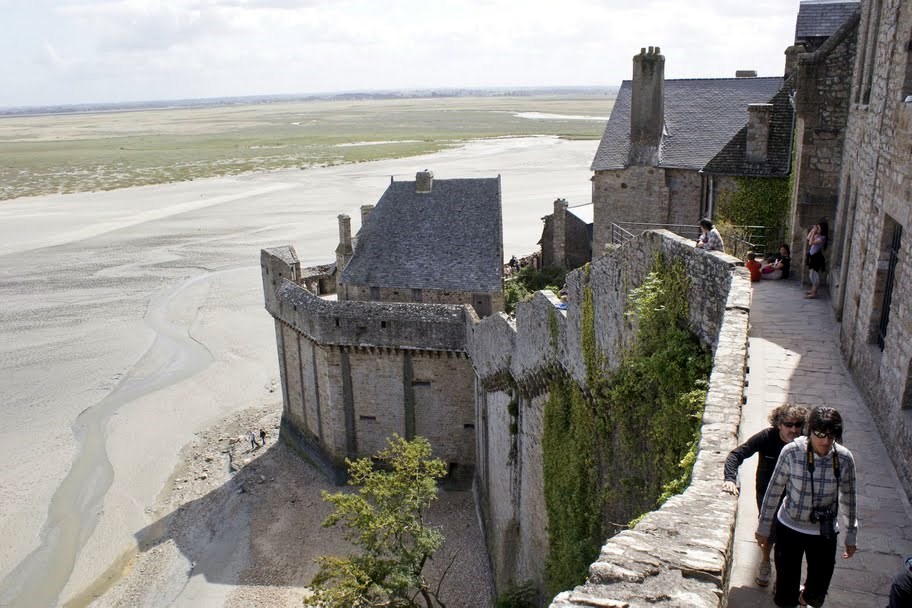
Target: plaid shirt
x=712, y=241
x=792, y=477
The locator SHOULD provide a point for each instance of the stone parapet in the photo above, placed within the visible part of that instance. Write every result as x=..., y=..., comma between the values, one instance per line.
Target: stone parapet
x=678, y=556
x=543, y=340
x=371, y=324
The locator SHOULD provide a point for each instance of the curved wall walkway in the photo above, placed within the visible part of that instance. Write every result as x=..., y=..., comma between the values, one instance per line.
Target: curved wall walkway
x=794, y=356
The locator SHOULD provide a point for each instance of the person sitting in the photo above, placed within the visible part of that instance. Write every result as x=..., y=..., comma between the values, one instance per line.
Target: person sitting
x=780, y=267
x=753, y=266
x=710, y=239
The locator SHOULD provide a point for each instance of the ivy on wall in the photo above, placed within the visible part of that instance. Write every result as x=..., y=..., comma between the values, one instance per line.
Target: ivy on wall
x=758, y=201
x=622, y=450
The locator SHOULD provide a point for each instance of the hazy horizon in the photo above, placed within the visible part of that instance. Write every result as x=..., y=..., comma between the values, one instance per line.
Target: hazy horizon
x=321, y=96
x=70, y=52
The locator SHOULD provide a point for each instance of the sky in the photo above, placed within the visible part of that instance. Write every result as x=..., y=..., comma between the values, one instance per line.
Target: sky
x=85, y=51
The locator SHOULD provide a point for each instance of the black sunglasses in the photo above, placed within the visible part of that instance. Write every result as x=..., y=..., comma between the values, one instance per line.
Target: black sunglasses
x=793, y=425
x=824, y=435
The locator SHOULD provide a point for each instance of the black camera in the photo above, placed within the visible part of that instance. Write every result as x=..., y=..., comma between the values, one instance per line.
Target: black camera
x=826, y=517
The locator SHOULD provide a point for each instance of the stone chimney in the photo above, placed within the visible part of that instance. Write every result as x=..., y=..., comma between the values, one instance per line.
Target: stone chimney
x=365, y=213
x=424, y=181
x=791, y=58
x=647, y=106
x=559, y=233
x=745, y=73
x=758, y=124
x=344, y=251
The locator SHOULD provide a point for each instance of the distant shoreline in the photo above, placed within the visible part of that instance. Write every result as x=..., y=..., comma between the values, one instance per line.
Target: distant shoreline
x=210, y=102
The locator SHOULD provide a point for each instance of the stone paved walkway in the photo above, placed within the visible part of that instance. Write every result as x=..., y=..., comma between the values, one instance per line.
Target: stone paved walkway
x=794, y=356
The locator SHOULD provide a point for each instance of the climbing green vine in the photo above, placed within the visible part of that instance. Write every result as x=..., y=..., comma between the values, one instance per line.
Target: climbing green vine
x=625, y=448
x=758, y=201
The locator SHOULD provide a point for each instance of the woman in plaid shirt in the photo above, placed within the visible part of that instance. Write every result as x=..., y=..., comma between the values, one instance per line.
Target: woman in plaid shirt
x=818, y=478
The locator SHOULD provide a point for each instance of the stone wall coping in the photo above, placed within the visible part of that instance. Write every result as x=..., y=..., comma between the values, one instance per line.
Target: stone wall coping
x=370, y=324
x=679, y=554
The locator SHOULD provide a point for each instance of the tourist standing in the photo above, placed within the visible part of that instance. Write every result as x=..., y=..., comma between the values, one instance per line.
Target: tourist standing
x=817, y=242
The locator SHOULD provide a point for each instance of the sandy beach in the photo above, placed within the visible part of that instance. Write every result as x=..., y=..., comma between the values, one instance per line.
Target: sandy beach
x=133, y=347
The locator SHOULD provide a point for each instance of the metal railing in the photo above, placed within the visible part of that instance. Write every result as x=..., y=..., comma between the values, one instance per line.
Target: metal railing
x=739, y=240
x=619, y=235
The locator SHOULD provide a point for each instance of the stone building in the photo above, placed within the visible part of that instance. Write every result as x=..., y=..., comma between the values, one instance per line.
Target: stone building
x=823, y=83
x=566, y=240
x=388, y=353
x=433, y=241
x=871, y=288
x=671, y=148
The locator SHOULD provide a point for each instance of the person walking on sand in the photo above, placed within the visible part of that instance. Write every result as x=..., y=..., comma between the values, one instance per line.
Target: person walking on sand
x=252, y=438
x=262, y=437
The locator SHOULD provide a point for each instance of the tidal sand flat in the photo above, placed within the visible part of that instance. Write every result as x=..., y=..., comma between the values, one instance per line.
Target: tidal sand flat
x=131, y=326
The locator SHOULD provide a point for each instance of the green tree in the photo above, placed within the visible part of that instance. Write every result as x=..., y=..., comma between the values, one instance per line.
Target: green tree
x=385, y=519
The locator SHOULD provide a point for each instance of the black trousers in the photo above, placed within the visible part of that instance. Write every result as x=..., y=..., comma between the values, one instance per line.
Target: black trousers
x=901, y=590
x=791, y=547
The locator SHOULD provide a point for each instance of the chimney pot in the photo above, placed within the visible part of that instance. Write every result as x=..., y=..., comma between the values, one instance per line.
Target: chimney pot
x=365, y=212
x=758, y=123
x=424, y=181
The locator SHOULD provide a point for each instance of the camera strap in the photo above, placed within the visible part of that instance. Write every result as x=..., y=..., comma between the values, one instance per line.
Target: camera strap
x=836, y=474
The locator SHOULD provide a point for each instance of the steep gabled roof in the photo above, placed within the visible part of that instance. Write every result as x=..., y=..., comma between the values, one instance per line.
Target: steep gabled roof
x=450, y=238
x=701, y=117
x=821, y=19
x=732, y=159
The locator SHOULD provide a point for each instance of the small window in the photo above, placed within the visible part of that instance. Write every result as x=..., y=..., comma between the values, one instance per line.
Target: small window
x=906, y=94
x=363, y=417
x=421, y=383
x=383, y=324
x=416, y=295
x=337, y=322
x=375, y=294
x=468, y=425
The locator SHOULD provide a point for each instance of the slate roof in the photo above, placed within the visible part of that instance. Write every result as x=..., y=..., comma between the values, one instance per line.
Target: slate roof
x=821, y=19
x=701, y=117
x=450, y=238
x=732, y=159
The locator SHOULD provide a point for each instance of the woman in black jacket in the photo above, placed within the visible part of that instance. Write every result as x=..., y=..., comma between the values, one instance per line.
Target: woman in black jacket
x=786, y=423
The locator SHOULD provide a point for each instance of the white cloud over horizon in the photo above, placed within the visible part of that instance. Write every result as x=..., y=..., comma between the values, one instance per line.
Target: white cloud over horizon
x=81, y=51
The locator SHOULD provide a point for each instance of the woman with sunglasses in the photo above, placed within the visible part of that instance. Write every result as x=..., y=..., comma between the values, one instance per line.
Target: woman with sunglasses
x=818, y=478
x=786, y=422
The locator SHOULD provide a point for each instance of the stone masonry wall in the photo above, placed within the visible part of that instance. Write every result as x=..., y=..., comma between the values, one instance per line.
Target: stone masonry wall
x=362, y=293
x=353, y=373
x=649, y=195
x=511, y=491
x=877, y=196
x=823, y=86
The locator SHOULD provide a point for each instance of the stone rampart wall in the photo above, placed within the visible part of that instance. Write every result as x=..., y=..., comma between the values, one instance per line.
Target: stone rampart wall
x=363, y=293
x=354, y=373
x=542, y=339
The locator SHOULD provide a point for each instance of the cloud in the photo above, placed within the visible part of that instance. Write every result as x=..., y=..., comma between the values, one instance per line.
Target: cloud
x=170, y=48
